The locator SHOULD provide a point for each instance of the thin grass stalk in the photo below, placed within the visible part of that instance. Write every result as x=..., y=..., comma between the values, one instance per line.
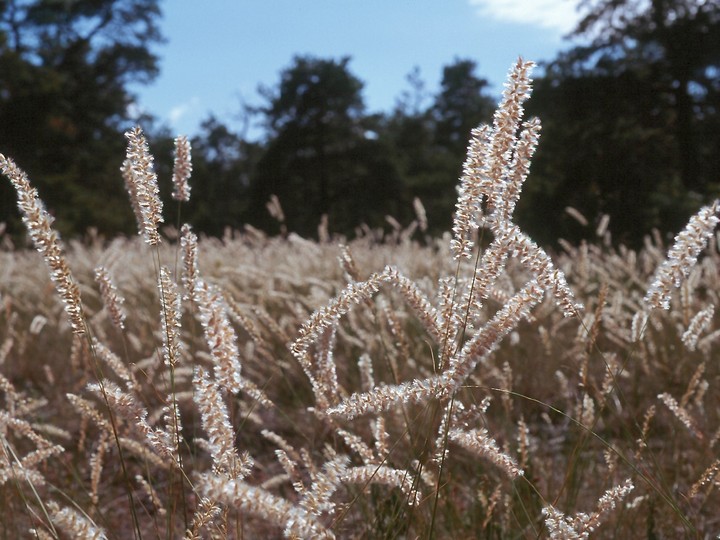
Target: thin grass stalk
x=6, y=447
x=46, y=240
x=436, y=497
x=39, y=224
x=171, y=325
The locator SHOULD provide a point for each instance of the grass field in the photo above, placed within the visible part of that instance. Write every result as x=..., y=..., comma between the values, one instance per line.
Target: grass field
x=388, y=386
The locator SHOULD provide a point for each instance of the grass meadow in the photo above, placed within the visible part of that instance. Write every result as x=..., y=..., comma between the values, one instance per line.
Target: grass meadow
x=388, y=386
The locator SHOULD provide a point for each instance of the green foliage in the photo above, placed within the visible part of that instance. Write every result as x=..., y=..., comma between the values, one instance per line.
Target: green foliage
x=64, y=70
x=430, y=142
x=632, y=116
x=323, y=156
x=461, y=105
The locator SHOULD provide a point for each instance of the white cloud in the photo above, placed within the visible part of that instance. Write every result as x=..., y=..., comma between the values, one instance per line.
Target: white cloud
x=134, y=110
x=178, y=112
x=556, y=15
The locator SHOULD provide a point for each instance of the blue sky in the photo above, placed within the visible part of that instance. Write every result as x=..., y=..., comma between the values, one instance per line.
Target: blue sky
x=219, y=51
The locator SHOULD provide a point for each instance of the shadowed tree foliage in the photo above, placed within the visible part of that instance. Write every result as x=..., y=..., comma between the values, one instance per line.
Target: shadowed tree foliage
x=677, y=44
x=631, y=127
x=461, y=105
x=222, y=164
x=630, y=121
x=323, y=155
x=64, y=72
x=430, y=142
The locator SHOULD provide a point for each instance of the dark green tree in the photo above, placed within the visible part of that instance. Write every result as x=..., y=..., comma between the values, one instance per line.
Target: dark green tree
x=629, y=120
x=599, y=152
x=323, y=155
x=461, y=105
x=676, y=45
x=430, y=142
x=427, y=170
x=222, y=162
x=65, y=68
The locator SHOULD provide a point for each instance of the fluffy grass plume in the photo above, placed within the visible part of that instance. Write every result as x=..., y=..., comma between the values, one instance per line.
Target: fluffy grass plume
x=465, y=386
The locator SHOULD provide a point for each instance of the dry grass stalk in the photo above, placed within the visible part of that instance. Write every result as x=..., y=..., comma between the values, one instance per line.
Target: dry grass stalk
x=112, y=301
x=216, y=423
x=189, y=247
x=171, y=315
x=682, y=256
x=471, y=196
x=381, y=474
x=680, y=413
x=39, y=222
x=479, y=442
x=75, y=524
x=126, y=406
x=697, y=326
x=707, y=480
x=562, y=527
x=17, y=467
x=96, y=463
x=295, y=521
x=219, y=335
x=182, y=169
x=143, y=186
x=205, y=514
x=114, y=362
x=420, y=214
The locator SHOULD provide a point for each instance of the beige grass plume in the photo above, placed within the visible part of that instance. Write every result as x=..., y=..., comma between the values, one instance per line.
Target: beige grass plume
x=111, y=298
x=496, y=164
x=682, y=256
x=47, y=241
x=182, y=169
x=582, y=525
x=216, y=423
x=74, y=523
x=295, y=520
x=171, y=317
x=143, y=186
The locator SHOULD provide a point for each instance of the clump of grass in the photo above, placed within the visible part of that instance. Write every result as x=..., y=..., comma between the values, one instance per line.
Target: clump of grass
x=374, y=387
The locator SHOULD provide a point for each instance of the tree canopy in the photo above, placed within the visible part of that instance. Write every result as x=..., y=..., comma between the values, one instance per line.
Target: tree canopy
x=64, y=72
x=631, y=119
x=322, y=156
x=631, y=127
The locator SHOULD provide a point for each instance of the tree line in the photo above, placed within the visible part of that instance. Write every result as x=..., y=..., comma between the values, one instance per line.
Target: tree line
x=631, y=128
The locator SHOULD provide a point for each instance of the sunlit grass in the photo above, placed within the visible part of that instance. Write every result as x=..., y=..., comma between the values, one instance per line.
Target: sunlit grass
x=388, y=386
